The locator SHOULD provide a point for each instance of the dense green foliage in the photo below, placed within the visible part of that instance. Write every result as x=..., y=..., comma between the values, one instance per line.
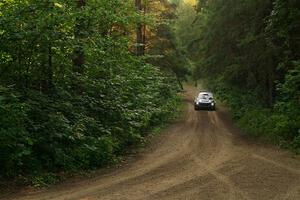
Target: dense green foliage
x=55, y=117
x=248, y=50
x=165, y=51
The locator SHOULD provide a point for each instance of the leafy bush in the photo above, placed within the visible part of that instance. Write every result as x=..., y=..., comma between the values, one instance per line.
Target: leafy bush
x=279, y=124
x=54, y=117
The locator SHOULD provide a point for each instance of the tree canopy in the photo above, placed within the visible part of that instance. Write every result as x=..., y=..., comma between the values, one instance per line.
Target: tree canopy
x=248, y=52
x=73, y=94
x=83, y=81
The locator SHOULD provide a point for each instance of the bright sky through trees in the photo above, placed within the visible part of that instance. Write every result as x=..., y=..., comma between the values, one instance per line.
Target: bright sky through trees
x=193, y=2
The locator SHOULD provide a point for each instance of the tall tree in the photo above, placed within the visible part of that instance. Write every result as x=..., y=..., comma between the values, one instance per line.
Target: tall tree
x=78, y=59
x=140, y=30
x=104, y=98
x=248, y=52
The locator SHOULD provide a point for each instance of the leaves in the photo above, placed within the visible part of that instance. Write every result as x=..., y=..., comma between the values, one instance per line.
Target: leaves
x=53, y=119
x=247, y=52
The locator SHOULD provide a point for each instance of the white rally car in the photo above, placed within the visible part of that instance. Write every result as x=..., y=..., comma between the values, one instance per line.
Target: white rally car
x=205, y=100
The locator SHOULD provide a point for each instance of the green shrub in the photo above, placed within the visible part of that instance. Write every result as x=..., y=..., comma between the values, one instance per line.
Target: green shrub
x=279, y=124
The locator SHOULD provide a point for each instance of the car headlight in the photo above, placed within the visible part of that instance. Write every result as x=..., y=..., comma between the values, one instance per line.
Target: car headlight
x=212, y=104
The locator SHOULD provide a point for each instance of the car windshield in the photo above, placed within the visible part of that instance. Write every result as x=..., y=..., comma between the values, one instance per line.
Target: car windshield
x=205, y=96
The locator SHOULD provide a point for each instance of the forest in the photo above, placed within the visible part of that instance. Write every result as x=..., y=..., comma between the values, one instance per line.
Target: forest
x=82, y=82
x=248, y=53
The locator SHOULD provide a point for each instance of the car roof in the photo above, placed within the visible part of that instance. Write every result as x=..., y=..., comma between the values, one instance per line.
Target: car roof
x=205, y=93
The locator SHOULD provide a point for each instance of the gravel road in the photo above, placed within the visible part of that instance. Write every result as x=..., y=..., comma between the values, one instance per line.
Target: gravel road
x=201, y=156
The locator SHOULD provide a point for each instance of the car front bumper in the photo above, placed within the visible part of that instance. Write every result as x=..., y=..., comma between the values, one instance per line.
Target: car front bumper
x=204, y=106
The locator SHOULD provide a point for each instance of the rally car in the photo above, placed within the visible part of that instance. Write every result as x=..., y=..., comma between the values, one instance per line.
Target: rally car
x=205, y=100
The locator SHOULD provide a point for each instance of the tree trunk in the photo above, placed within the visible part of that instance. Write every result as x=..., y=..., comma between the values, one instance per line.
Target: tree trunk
x=271, y=79
x=139, y=31
x=144, y=31
x=50, y=69
x=78, y=59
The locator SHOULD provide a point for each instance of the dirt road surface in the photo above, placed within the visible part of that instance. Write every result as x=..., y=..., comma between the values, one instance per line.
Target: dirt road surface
x=201, y=156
